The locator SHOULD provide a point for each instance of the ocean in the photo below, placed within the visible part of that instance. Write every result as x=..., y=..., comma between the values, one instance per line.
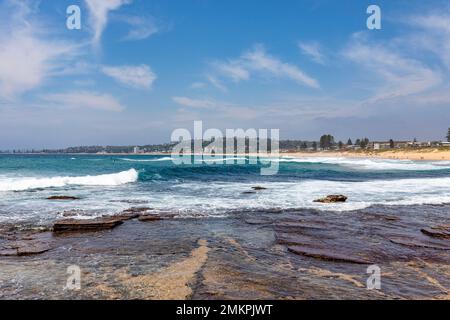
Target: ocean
x=107, y=185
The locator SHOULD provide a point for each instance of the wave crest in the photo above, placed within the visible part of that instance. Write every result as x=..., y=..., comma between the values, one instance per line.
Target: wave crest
x=114, y=179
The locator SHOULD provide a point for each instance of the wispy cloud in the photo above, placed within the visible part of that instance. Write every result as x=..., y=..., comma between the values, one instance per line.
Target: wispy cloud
x=99, y=11
x=216, y=83
x=432, y=33
x=27, y=56
x=198, y=85
x=312, y=50
x=141, y=77
x=399, y=75
x=258, y=61
x=194, y=103
x=141, y=28
x=84, y=99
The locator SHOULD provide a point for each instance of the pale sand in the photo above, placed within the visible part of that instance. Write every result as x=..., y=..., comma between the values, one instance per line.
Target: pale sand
x=400, y=154
x=431, y=154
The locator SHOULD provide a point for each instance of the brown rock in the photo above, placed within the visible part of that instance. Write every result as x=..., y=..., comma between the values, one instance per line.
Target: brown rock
x=324, y=254
x=7, y=252
x=437, y=232
x=149, y=217
x=103, y=223
x=156, y=217
x=29, y=248
x=332, y=199
x=62, y=198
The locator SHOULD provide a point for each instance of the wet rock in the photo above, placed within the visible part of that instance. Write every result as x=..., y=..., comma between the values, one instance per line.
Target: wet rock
x=259, y=188
x=156, y=217
x=62, y=198
x=324, y=254
x=414, y=243
x=149, y=217
x=125, y=216
x=69, y=225
x=257, y=221
x=30, y=248
x=137, y=210
x=248, y=192
x=72, y=213
x=8, y=252
x=332, y=199
x=437, y=232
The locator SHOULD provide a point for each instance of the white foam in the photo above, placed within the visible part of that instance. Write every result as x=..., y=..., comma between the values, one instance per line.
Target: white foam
x=26, y=183
x=147, y=160
x=222, y=197
x=372, y=164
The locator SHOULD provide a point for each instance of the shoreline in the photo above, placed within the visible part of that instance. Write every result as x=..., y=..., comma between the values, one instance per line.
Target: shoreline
x=424, y=154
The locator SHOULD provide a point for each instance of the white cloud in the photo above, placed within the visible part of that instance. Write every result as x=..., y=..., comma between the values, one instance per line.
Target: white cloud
x=27, y=58
x=198, y=85
x=142, y=28
x=400, y=76
x=99, y=11
x=259, y=61
x=233, y=69
x=432, y=34
x=312, y=50
x=134, y=76
x=84, y=99
x=216, y=83
x=194, y=103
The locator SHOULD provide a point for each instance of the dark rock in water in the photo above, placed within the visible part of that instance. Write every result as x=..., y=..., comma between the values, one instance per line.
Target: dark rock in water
x=324, y=254
x=138, y=210
x=30, y=248
x=103, y=223
x=131, y=213
x=72, y=213
x=124, y=216
x=332, y=199
x=62, y=198
x=414, y=243
x=437, y=232
x=248, y=192
x=258, y=188
x=149, y=217
x=156, y=217
x=8, y=252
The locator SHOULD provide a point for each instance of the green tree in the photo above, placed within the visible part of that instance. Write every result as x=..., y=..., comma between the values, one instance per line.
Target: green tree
x=358, y=142
x=349, y=142
x=341, y=145
x=448, y=135
x=326, y=141
x=314, y=145
x=391, y=144
x=364, y=143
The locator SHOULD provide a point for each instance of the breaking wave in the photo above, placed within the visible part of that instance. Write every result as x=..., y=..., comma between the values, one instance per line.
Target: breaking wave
x=26, y=183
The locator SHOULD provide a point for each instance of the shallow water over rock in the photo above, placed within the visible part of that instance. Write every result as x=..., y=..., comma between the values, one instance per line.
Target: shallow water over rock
x=303, y=254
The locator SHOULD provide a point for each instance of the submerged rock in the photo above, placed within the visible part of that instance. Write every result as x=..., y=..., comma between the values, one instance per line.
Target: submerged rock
x=131, y=213
x=259, y=188
x=149, y=217
x=327, y=255
x=62, y=198
x=437, y=232
x=156, y=216
x=332, y=199
x=102, y=223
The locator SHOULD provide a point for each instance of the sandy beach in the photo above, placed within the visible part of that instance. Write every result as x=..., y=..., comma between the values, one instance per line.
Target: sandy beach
x=428, y=154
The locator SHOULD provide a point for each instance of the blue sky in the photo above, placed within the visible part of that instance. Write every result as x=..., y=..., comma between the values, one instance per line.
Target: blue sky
x=139, y=69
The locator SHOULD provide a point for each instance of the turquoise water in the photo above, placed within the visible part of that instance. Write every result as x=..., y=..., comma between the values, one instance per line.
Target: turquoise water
x=110, y=184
